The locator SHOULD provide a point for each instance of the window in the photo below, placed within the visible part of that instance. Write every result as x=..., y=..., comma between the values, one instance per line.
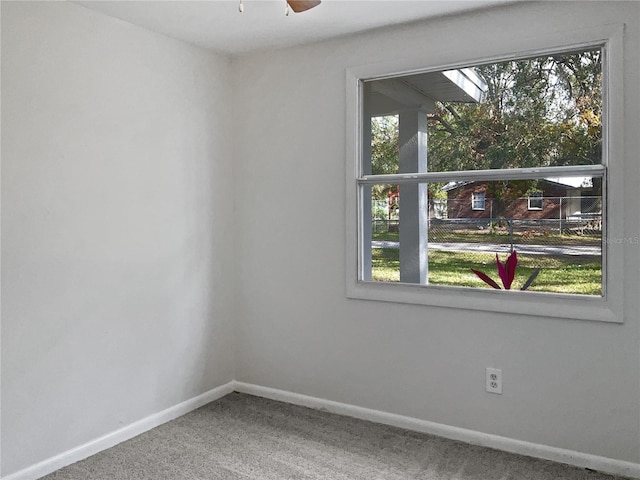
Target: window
x=535, y=201
x=477, y=200
x=466, y=132
x=470, y=149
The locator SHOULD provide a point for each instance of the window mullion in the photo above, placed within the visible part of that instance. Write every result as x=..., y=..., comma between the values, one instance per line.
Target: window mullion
x=506, y=174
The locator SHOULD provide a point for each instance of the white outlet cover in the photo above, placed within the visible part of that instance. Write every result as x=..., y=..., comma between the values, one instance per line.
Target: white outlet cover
x=493, y=383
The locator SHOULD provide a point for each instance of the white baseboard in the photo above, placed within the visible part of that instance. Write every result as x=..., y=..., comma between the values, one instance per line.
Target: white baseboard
x=578, y=459
x=109, y=440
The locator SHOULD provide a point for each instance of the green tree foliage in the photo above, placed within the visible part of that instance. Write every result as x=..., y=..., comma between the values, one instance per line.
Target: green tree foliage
x=384, y=145
x=539, y=112
x=384, y=151
x=543, y=111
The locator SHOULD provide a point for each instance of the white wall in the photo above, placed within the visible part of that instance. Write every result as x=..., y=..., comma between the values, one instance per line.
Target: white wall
x=119, y=239
x=116, y=226
x=567, y=383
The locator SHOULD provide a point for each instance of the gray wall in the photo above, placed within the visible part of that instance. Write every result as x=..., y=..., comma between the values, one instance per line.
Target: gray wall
x=169, y=215
x=116, y=252
x=567, y=383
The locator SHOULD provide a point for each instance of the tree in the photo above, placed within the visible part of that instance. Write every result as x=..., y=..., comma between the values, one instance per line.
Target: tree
x=537, y=112
x=384, y=145
x=543, y=111
x=384, y=152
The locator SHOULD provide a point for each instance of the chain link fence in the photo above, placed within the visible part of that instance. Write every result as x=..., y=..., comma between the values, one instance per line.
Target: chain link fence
x=561, y=237
x=550, y=221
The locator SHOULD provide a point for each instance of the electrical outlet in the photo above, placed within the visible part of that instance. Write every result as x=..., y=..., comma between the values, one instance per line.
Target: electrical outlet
x=494, y=380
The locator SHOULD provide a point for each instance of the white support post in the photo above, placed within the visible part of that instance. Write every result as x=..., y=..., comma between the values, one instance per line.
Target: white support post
x=414, y=209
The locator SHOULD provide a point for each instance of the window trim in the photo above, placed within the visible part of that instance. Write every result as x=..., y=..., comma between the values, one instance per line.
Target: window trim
x=609, y=307
x=537, y=198
x=474, y=200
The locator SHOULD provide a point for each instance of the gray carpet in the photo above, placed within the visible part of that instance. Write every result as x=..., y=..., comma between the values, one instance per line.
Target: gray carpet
x=242, y=437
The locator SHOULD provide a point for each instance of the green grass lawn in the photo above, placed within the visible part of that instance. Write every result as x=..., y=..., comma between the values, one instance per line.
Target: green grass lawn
x=577, y=275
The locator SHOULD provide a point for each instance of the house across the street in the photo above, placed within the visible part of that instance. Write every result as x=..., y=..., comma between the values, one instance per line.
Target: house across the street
x=554, y=198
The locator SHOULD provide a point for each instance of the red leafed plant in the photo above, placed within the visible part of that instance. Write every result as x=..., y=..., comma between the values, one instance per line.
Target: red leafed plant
x=506, y=272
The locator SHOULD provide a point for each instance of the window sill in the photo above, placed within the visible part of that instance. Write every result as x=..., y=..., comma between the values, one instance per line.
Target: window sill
x=577, y=307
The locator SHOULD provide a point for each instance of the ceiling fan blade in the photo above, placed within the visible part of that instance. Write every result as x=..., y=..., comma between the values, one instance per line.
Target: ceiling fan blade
x=302, y=5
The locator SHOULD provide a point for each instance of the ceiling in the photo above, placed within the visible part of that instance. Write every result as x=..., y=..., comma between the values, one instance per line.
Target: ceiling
x=218, y=25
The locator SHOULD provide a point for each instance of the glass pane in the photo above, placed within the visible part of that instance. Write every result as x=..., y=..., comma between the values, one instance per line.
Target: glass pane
x=536, y=112
x=384, y=145
x=385, y=233
x=461, y=226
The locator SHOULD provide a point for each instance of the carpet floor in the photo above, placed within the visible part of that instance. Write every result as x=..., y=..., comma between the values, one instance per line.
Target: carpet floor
x=243, y=437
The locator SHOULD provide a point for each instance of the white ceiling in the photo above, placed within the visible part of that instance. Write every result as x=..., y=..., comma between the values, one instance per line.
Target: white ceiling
x=218, y=25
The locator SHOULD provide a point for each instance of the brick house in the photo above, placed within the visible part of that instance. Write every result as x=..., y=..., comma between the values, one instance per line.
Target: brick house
x=555, y=198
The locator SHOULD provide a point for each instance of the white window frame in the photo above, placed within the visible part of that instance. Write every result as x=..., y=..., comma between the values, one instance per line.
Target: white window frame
x=608, y=307
x=537, y=196
x=475, y=200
